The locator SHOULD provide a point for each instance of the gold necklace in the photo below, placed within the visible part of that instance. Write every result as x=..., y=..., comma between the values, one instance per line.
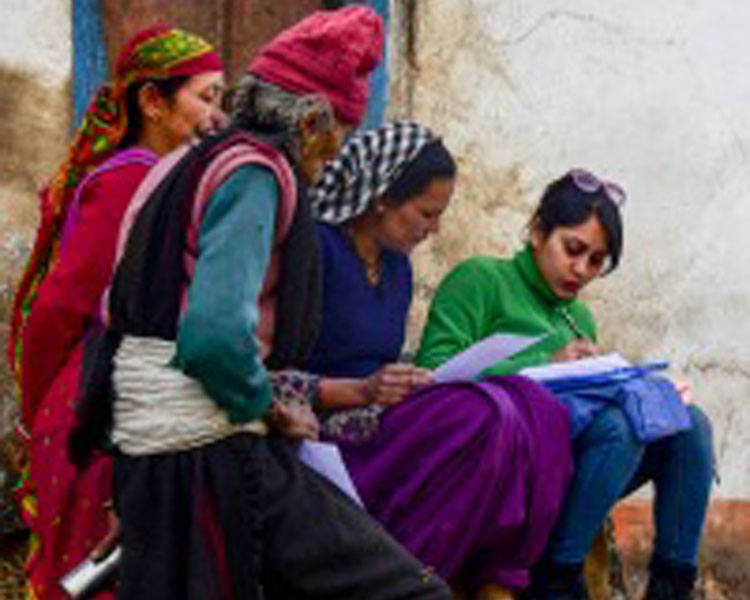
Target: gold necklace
x=373, y=269
x=373, y=266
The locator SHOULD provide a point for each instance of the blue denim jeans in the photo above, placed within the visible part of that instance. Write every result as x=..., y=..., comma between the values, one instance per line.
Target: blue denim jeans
x=611, y=463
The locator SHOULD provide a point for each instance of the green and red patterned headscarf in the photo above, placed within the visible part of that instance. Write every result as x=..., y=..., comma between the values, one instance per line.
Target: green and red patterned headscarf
x=159, y=52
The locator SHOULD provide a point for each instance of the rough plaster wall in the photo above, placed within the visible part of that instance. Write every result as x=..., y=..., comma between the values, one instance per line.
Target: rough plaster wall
x=34, y=114
x=652, y=95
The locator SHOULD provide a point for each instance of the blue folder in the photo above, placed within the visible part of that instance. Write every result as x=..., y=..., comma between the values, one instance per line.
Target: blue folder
x=651, y=403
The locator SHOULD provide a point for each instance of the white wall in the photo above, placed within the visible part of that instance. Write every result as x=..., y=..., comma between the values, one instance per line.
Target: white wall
x=37, y=37
x=654, y=95
x=35, y=68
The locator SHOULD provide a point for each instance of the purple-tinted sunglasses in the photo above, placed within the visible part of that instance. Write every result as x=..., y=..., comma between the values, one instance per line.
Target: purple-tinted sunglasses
x=587, y=182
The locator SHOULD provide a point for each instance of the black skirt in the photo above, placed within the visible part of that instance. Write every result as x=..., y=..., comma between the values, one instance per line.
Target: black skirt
x=243, y=519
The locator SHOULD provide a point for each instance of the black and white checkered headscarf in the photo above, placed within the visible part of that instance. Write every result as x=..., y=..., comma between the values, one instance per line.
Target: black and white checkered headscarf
x=369, y=162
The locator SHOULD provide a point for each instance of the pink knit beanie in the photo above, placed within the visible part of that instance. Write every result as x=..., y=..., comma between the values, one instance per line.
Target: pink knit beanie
x=329, y=52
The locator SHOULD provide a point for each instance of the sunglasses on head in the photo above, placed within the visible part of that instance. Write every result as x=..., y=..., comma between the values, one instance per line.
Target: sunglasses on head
x=587, y=182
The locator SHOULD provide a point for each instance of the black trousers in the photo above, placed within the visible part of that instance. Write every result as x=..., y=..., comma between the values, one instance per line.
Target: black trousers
x=243, y=519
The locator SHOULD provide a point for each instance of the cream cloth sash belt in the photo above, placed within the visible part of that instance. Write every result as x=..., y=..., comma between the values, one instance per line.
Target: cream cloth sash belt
x=160, y=409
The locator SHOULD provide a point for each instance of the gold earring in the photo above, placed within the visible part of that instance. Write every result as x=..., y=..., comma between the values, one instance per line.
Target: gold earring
x=311, y=144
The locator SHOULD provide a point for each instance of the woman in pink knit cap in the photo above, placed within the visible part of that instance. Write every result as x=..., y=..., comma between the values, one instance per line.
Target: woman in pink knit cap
x=213, y=500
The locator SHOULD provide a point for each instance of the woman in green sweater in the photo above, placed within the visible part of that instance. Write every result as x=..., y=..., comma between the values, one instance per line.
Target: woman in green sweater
x=576, y=236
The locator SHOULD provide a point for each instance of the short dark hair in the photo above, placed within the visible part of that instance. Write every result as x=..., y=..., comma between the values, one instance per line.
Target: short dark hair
x=564, y=204
x=167, y=89
x=434, y=161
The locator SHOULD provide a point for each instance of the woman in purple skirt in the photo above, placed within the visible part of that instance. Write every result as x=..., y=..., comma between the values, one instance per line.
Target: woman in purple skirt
x=470, y=475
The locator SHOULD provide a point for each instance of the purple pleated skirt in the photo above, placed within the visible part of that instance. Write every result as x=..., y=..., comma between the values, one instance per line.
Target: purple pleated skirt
x=468, y=476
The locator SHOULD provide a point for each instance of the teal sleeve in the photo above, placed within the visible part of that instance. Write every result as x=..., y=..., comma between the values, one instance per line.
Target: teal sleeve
x=457, y=316
x=216, y=341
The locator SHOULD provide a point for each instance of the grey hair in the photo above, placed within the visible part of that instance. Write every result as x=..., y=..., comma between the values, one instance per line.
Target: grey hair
x=259, y=104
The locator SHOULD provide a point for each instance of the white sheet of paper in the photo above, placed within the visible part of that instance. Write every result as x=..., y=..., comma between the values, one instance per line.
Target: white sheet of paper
x=325, y=459
x=475, y=359
x=573, y=368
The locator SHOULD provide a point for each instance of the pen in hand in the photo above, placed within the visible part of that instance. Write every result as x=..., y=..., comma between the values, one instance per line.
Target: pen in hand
x=570, y=322
x=578, y=348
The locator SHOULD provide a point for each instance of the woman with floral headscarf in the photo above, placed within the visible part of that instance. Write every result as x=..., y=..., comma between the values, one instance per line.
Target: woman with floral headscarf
x=166, y=89
x=470, y=475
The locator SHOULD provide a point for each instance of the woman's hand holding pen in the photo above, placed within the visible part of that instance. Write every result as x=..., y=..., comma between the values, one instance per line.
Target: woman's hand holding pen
x=576, y=349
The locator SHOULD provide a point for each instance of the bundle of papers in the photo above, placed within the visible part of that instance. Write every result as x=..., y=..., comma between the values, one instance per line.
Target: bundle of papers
x=470, y=363
x=597, y=365
x=485, y=353
x=326, y=460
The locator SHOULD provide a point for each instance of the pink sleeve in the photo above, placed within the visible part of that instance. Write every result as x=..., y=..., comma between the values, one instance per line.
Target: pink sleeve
x=68, y=298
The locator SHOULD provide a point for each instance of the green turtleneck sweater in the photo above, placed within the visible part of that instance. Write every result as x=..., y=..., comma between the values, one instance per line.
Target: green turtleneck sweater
x=484, y=296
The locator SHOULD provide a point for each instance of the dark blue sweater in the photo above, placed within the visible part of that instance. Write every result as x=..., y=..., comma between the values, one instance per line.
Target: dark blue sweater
x=363, y=325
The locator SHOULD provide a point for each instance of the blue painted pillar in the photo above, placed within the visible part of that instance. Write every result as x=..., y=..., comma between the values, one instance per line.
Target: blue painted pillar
x=380, y=80
x=89, y=54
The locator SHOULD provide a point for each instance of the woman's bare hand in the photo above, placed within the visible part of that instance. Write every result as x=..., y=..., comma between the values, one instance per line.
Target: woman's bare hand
x=575, y=350
x=391, y=383
x=684, y=389
x=110, y=539
x=295, y=420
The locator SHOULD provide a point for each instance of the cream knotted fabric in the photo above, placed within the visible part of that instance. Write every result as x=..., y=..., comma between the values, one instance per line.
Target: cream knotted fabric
x=160, y=409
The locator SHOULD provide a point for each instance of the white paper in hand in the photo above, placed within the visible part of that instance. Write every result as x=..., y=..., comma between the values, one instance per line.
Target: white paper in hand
x=475, y=359
x=325, y=459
